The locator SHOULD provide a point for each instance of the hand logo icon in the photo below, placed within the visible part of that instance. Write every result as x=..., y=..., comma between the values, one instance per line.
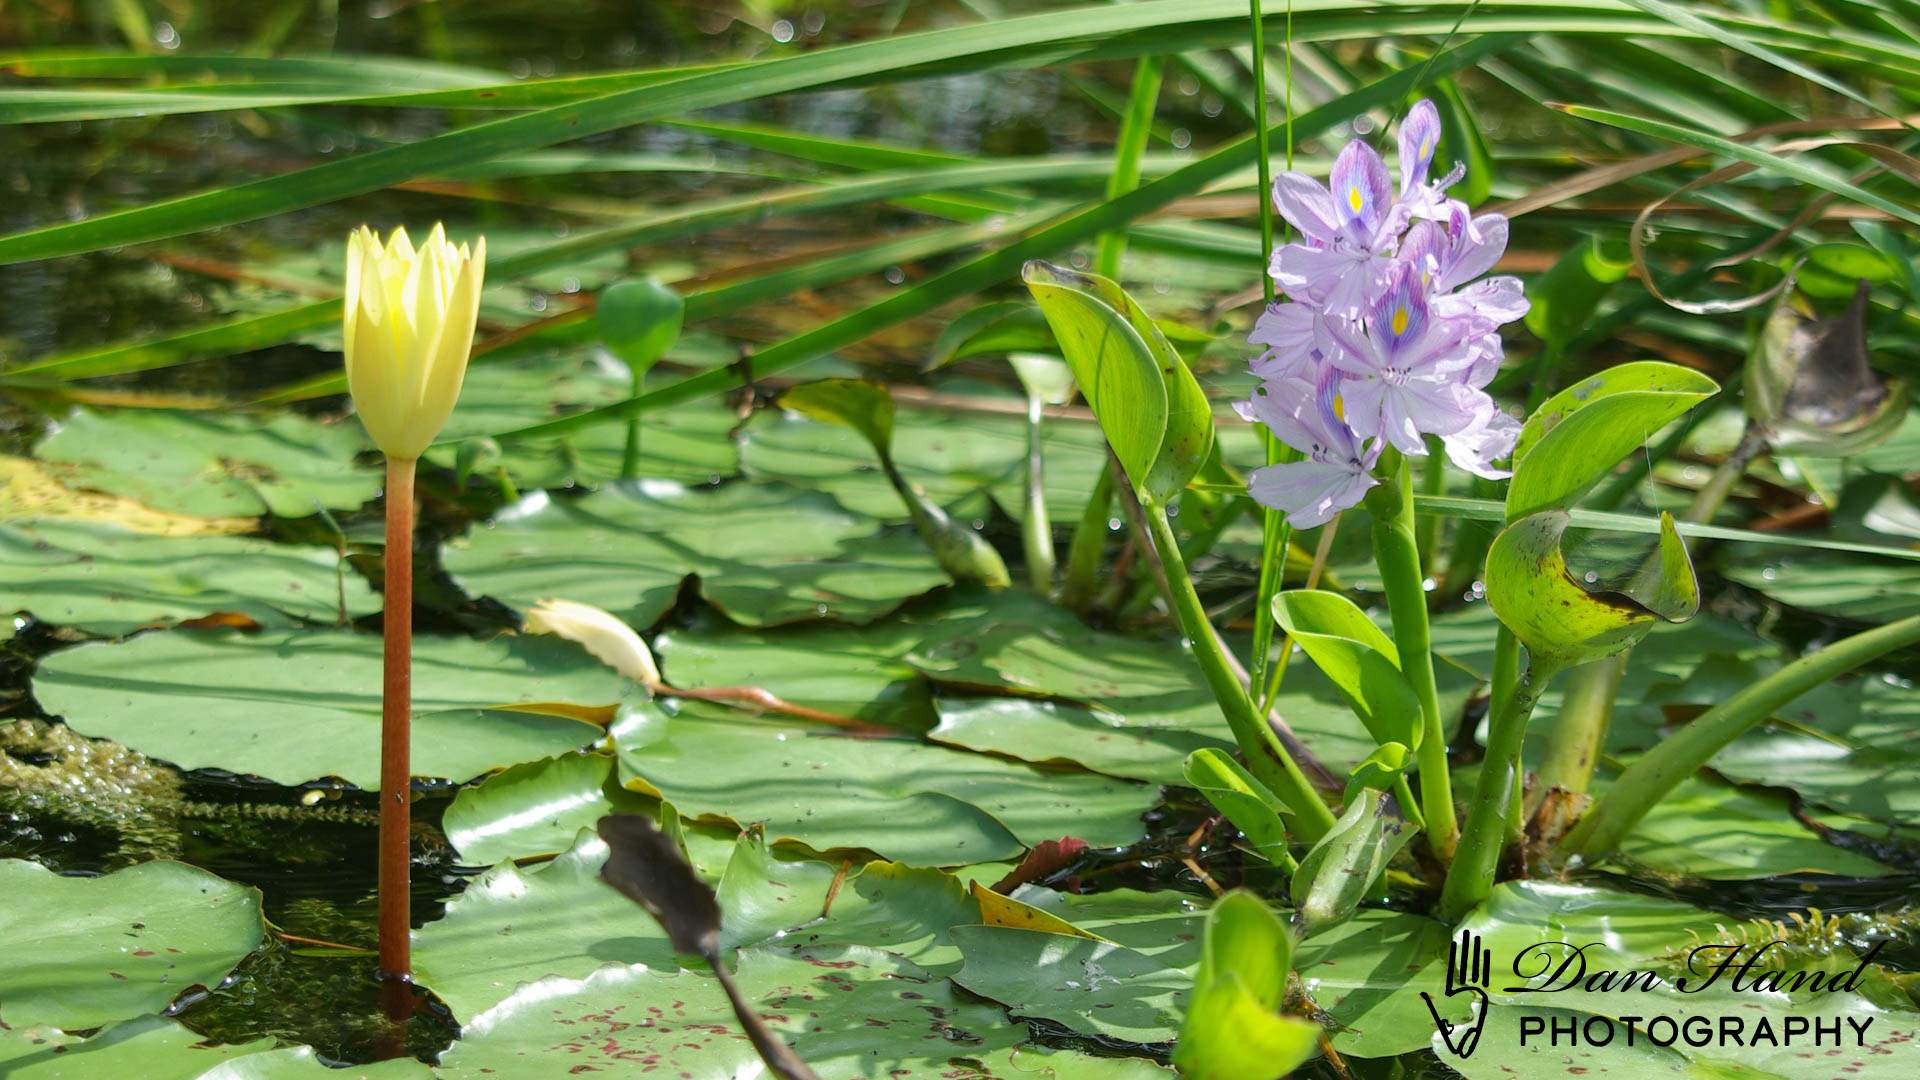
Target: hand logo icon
x=1469, y=971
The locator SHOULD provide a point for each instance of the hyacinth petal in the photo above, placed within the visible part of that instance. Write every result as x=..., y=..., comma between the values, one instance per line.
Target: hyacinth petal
x=1419, y=135
x=1306, y=205
x=1308, y=492
x=1489, y=440
x=1286, y=407
x=1498, y=300
x=1437, y=406
x=1361, y=191
x=1478, y=249
x=1309, y=274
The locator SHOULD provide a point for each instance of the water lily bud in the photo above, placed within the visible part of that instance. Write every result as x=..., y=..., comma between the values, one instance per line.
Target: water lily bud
x=602, y=633
x=408, y=324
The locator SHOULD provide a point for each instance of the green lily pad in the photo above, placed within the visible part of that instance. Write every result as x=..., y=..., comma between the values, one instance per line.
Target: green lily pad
x=1861, y=762
x=850, y=671
x=534, y=808
x=921, y=805
x=1062, y=732
x=106, y=579
x=1717, y=831
x=765, y=554
x=292, y=707
x=688, y=443
x=156, y=1048
x=1861, y=589
x=83, y=952
x=845, y=1011
x=214, y=464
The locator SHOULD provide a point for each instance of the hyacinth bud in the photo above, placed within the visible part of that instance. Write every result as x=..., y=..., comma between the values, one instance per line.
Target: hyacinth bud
x=601, y=633
x=408, y=324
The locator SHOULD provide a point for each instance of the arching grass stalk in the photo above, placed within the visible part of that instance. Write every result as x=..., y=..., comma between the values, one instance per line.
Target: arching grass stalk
x=1663, y=768
x=1266, y=758
x=1396, y=552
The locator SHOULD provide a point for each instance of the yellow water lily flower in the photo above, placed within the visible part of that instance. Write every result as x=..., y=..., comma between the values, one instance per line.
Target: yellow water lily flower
x=408, y=324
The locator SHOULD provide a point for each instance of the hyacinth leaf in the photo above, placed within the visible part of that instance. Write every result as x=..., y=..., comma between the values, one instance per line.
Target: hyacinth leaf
x=1562, y=301
x=1562, y=623
x=1116, y=369
x=1380, y=770
x=1578, y=435
x=1811, y=387
x=639, y=321
x=867, y=408
x=1006, y=326
x=1233, y=1028
x=1190, y=430
x=862, y=406
x=1243, y=800
x=1356, y=656
x=1347, y=862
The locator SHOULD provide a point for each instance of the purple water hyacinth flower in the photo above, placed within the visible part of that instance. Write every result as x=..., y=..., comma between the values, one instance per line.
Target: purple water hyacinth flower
x=1350, y=229
x=1403, y=370
x=1445, y=257
x=1338, y=468
x=1298, y=341
x=1419, y=135
x=1489, y=439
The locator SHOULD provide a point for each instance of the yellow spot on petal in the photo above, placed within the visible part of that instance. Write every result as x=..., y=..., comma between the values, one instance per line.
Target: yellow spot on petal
x=1353, y=198
x=1340, y=407
x=1399, y=320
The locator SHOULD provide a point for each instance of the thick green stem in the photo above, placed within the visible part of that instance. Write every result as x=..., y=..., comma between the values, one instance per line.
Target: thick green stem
x=1495, y=796
x=1663, y=768
x=1089, y=543
x=630, y=457
x=1036, y=532
x=1266, y=758
x=1397, y=553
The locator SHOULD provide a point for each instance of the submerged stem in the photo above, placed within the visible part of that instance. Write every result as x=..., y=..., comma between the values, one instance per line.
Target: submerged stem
x=1266, y=758
x=396, y=702
x=1397, y=553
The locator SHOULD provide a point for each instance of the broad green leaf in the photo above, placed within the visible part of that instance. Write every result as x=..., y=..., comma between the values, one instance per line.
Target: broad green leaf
x=535, y=808
x=1356, y=656
x=1233, y=1028
x=921, y=805
x=1059, y=732
x=1190, y=431
x=1118, y=372
x=85, y=952
x=863, y=406
x=106, y=579
x=638, y=320
x=1005, y=326
x=212, y=464
x=1579, y=434
x=29, y=490
x=1245, y=801
x=1346, y=864
x=1859, y=761
x=1560, y=622
x=1714, y=830
x=293, y=707
x=764, y=553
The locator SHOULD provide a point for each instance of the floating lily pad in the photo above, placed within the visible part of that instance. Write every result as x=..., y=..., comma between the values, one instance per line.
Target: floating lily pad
x=764, y=553
x=846, y=1011
x=1715, y=830
x=689, y=442
x=106, y=579
x=83, y=952
x=214, y=464
x=291, y=707
x=850, y=671
x=1859, y=762
x=156, y=1048
x=921, y=805
x=1850, y=587
x=1062, y=732
x=29, y=490
x=535, y=808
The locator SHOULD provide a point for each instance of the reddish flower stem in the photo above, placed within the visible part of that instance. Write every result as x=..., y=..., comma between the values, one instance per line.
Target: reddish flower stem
x=396, y=703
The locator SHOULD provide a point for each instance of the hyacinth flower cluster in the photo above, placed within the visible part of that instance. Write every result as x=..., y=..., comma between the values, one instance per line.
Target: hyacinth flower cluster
x=1388, y=332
